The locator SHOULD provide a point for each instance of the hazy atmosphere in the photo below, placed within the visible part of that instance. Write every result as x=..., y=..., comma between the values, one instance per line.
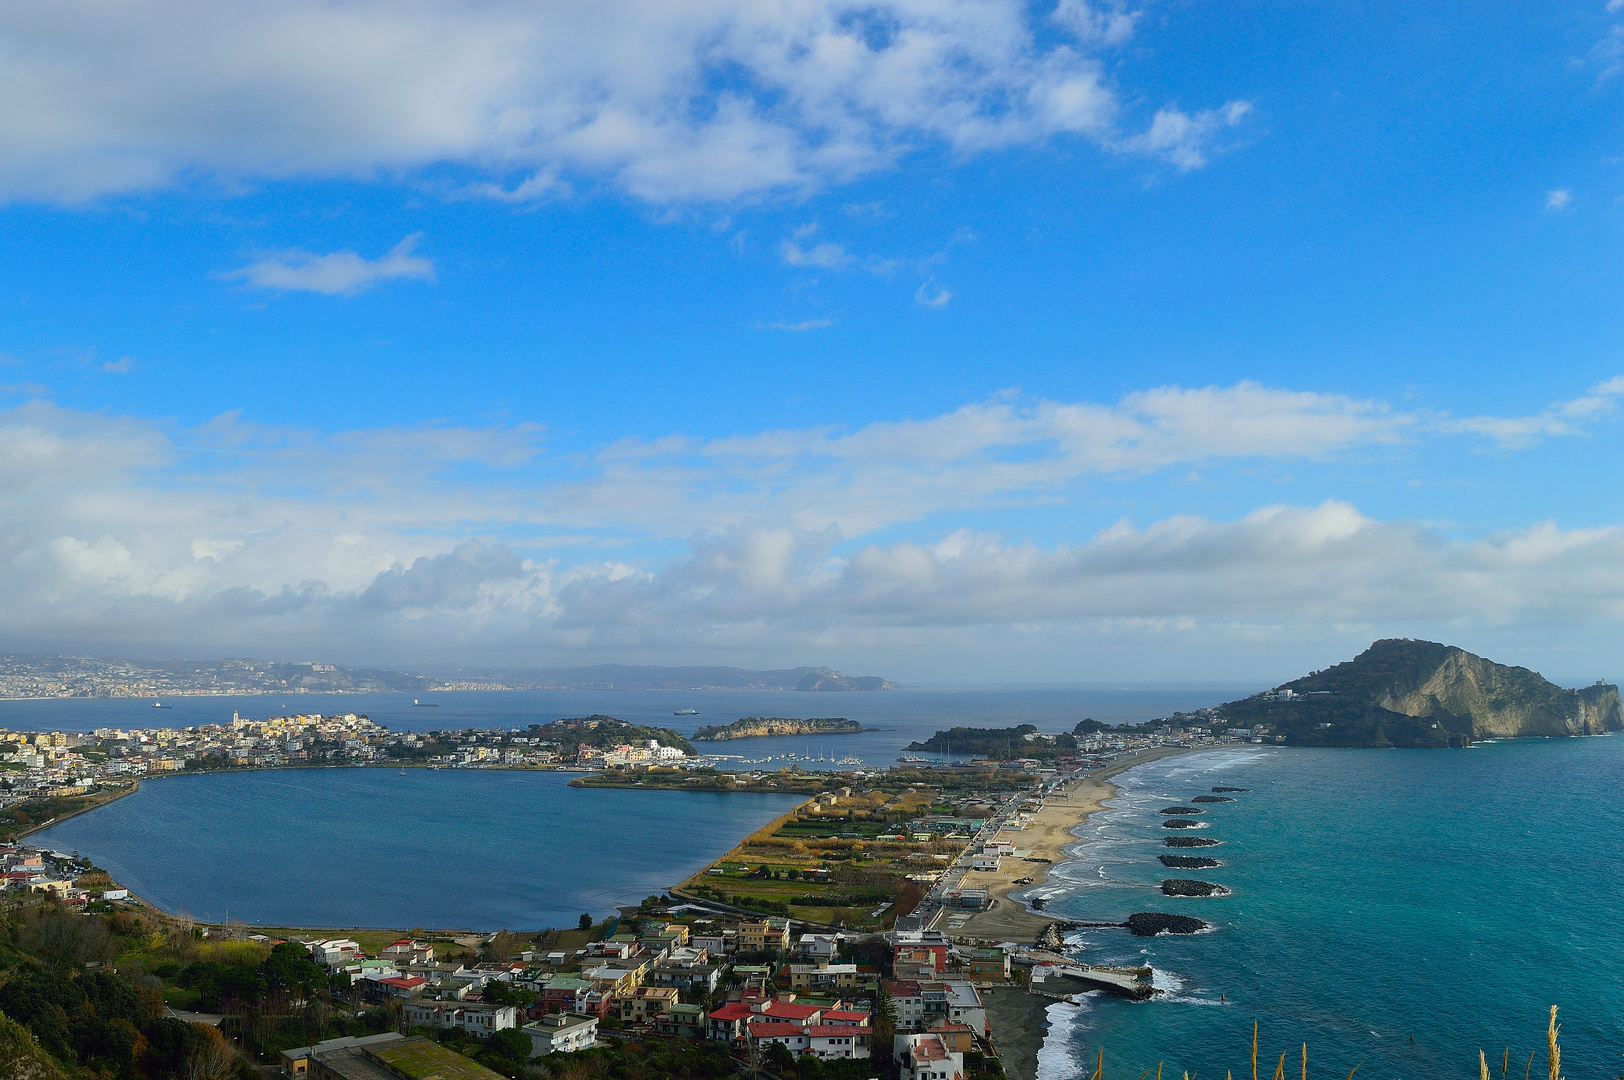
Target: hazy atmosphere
x=947, y=341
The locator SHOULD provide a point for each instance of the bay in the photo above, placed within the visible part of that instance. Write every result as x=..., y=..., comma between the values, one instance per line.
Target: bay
x=478, y=849
x=1396, y=910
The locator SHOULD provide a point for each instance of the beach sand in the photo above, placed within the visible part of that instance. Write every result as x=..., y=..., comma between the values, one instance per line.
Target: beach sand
x=1045, y=837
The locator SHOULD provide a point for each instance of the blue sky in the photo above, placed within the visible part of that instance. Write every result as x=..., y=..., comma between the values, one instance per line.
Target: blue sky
x=969, y=341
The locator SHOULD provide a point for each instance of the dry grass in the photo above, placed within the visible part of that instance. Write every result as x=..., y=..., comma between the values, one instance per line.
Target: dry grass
x=1553, y=1053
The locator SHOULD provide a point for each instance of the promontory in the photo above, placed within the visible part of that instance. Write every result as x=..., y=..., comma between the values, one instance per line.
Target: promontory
x=1406, y=693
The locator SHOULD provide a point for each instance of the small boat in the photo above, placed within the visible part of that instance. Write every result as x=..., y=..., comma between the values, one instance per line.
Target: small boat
x=161, y=705
x=685, y=712
x=425, y=704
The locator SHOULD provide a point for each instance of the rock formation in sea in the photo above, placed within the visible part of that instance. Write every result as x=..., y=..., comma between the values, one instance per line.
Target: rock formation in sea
x=1188, y=862
x=1186, y=810
x=1181, y=823
x=1151, y=923
x=1191, y=887
x=1236, y=789
x=1190, y=841
x=1212, y=798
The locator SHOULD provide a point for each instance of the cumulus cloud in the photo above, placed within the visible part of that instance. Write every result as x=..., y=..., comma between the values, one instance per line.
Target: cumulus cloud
x=713, y=99
x=342, y=273
x=1558, y=199
x=407, y=541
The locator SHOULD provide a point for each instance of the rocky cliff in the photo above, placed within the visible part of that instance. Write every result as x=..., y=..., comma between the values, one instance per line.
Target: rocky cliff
x=1400, y=692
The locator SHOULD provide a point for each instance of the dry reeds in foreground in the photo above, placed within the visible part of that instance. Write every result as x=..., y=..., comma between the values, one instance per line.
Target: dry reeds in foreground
x=1553, y=1052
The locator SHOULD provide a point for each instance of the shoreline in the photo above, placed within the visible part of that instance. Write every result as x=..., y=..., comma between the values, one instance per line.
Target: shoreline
x=1046, y=837
x=1017, y=1016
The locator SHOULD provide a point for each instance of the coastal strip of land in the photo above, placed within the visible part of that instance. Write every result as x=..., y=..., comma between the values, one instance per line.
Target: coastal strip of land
x=1044, y=840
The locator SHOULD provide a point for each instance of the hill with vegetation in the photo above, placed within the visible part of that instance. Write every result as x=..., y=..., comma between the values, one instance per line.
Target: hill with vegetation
x=1021, y=741
x=760, y=727
x=604, y=733
x=1406, y=693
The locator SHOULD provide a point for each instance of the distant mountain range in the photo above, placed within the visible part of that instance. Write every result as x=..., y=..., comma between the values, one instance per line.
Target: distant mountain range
x=38, y=676
x=1407, y=693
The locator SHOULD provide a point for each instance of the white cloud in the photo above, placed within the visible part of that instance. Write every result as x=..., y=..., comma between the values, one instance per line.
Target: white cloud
x=797, y=327
x=825, y=255
x=931, y=294
x=1105, y=26
x=343, y=273
x=1558, y=199
x=707, y=100
x=403, y=542
x=1185, y=139
x=1561, y=418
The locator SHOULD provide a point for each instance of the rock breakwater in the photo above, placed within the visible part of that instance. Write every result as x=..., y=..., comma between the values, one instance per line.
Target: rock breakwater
x=1192, y=887
x=1151, y=923
x=1188, y=862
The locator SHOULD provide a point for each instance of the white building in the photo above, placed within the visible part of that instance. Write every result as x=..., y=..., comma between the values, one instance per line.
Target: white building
x=478, y=1019
x=562, y=1033
x=926, y=1057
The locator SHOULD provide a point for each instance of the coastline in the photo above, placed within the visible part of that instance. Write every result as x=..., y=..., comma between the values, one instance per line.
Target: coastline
x=1017, y=1017
x=1046, y=837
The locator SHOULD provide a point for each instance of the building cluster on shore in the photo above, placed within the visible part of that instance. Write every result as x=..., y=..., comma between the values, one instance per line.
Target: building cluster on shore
x=31, y=869
x=34, y=764
x=745, y=983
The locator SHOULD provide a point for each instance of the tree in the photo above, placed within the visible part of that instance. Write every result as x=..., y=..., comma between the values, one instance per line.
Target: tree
x=510, y=1043
x=208, y=1056
x=585, y=921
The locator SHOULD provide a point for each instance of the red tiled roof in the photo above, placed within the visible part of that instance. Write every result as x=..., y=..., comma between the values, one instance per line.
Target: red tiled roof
x=764, y=1029
x=846, y=1016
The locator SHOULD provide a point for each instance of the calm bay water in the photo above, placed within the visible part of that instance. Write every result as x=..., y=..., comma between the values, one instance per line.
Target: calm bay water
x=1448, y=896
x=898, y=717
x=479, y=849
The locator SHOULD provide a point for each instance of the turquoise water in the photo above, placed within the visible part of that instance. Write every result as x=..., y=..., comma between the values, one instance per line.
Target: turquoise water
x=371, y=847
x=1448, y=896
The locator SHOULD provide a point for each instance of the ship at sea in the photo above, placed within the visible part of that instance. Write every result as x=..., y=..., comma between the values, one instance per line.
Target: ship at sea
x=425, y=704
x=684, y=712
x=161, y=705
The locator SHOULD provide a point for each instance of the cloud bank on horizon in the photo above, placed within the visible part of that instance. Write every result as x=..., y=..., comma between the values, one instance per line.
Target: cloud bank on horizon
x=447, y=541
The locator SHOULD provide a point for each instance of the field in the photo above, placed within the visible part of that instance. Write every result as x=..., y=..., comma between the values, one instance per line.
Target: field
x=857, y=857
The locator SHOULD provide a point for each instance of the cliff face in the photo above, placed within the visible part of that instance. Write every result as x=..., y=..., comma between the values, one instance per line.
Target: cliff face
x=1506, y=702
x=1421, y=693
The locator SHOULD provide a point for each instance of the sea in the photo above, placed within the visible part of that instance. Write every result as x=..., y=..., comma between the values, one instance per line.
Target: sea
x=1393, y=910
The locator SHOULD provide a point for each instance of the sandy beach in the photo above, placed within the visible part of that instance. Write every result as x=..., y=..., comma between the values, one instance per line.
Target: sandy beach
x=1045, y=837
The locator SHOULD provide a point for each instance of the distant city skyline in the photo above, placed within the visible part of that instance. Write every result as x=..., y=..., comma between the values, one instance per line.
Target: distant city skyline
x=951, y=342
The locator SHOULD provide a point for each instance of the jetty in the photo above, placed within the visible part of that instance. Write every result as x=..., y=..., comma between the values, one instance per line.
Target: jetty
x=1132, y=983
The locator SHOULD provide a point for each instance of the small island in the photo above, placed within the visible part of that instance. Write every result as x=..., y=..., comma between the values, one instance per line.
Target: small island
x=760, y=727
x=1188, y=862
x=1190, y=841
